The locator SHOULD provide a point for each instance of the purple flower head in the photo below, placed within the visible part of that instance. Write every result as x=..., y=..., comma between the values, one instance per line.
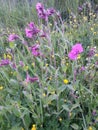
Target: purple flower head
x=73, y=55
x=12, y=37
x=21, y=63
x=50, y=11
x=4, y=62
x=30, y=79
x=76, y=50
x=80, y=8
x=91, y=52
x=42, y=12
x=39, y=6
x=42, y=34
x=94, y=112
x=28, y=33
x=31, y=30
x=35, y=50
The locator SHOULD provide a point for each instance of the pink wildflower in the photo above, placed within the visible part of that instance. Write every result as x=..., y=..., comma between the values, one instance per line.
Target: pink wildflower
x=76, y=50
x=42, y=12
x=50, y=11
x=12, y=37
x=31, y=79
x=4, y=62
x=35, y=50
x=31, y=30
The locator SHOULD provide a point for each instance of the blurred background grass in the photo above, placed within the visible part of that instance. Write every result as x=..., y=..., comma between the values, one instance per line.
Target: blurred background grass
x=19, y=12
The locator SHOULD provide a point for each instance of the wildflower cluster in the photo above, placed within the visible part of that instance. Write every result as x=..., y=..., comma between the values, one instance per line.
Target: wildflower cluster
x=48, y=74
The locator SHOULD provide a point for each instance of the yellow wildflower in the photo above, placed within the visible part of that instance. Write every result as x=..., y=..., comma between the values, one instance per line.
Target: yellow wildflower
x=33, y=127
x=50, y=78
x=65, y=100
x=70, y=114
x=65, y=81
x=60, y=119
x=67, y=64
x=96, y=55
x=92, y=29
x=47, y=65
x=52, y=56
x=85, y=18
x=9, y=56
x=90, y=128
x=95, y=33
x=44, y=94
x=33, y=64
x=22, y=129
x=26, y=68
x=78, y=57
x=1, y=87
x=4, y=56
x=53, y=92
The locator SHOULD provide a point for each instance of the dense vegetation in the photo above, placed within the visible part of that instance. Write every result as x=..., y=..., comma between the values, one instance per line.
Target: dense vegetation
x=49, y=65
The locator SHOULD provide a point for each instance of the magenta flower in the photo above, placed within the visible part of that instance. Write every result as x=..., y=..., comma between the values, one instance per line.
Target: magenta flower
x=76, y=50
x=31, y=30
x=12, y=37
x=35, y=50
x=39, y=6
x=42, y=12
x=4, y=62
x=50, y=11
x=31, y=79
x=28, y=33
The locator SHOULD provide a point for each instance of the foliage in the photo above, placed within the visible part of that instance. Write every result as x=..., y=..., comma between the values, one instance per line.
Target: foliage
x=39, y=83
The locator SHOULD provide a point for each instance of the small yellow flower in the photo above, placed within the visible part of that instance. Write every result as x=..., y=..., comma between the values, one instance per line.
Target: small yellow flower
x=22, y=129
x=75, y=20
x=92, y=29
x=60, y=119
x=1, y=87
x=47, y=65
x=90, y=128
x=26, y=68
x=95, y=33
x=36, y=41
x=53, y=92
x=67, y=64
x=50, y=24
x=96, y=55
x=49, y=103
x=78, y=57
x=65, y=100
x=85, y=18
x=33, y=127
x=52, y=56
x=65, y=81
x=4, y=56
x=50, y=78
x=44, y=95
x=9, y=56
x=70, y=114
x=33, y=64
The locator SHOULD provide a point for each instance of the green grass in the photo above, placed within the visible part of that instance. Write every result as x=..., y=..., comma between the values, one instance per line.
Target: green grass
x=50, y=103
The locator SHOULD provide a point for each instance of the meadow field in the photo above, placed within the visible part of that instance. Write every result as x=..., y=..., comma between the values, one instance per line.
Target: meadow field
x=48, y=65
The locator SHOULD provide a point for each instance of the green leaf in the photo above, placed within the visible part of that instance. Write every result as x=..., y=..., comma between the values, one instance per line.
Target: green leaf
x=65, y=107
x=74, y=106
x=61, y=89
x=75, y=126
